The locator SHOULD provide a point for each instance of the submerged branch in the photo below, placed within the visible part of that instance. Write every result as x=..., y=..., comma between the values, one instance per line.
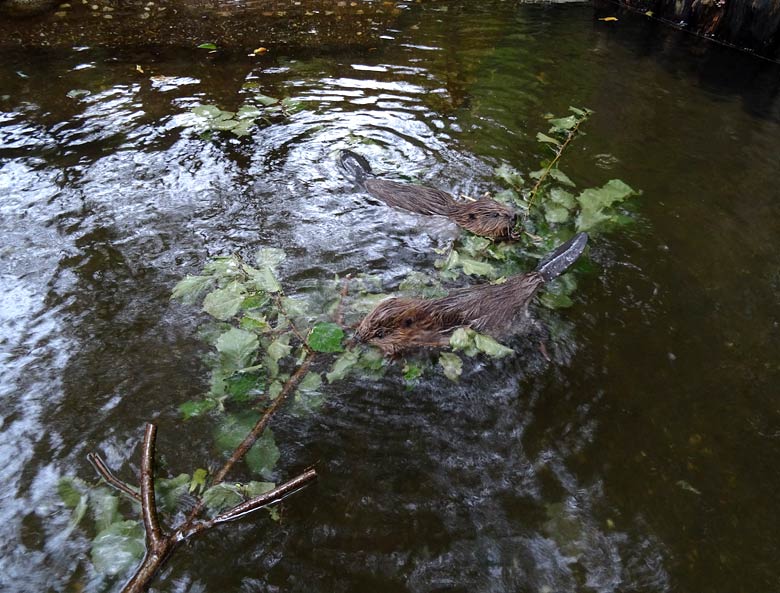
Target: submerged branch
x=102, y=469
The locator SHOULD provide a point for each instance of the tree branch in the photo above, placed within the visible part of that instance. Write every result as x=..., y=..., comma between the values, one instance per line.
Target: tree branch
x=148, y=506
x=105, y=473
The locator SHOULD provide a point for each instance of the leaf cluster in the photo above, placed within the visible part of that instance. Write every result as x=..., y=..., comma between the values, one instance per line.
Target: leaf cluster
x=260, y=108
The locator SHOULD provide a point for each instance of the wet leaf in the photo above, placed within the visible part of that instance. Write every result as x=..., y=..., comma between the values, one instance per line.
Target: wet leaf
x=191, y=288
x=451, y=364
x=578, y=111
x=207, y=46
x=242, y=128
x=686, y=486
x=198, y=482
x=609, y=19
x=595, y=201
x=545, y=138
x=473, y=267
x=191, y=409
x=223, y=303
x=326, y=337
x=555, y=214
x=266, y=100
x=254, y=489
x=207, y=111
x=509, y=175
x=553, y=300
x=269, y=257
x=561, y=177
x=223, y=125
x=168, y=491
x=71, y=490
x=341, y=366
x=236, y=348
x=291, y=105
x=279, y=348
x=563, y=124
x=248, y=112
x=491, y=347
x=222, y=497
x=243, y=387
x=463, y=339
x=118, y=547
x=412, y=372
x=254, y=323
x=263, y=455
x=563, y=198
x=104, y=505
x=308, y=397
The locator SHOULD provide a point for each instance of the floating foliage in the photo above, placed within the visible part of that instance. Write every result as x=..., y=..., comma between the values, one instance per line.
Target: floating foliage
x=260, y=108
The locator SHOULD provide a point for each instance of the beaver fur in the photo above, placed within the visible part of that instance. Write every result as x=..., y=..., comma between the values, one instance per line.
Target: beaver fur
x=484, y=217
x=399, y=324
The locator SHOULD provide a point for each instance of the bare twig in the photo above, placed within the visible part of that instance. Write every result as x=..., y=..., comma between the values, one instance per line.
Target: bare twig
x=105, y=473
x=148, y=505
x=267, y=498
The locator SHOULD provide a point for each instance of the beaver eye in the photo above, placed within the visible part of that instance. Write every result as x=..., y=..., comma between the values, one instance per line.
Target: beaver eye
x=408, y=322
x=472, y=216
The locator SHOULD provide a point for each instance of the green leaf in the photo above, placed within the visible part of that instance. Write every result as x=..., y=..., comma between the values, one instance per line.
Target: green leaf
x=104, y=504
x=223, y=303
x=290, y=105
x=243, y=386
x=269, y=257
x=236, y=348
x=118, y=547
x=561, y=177
x=254, y=323
x=279, y=348
x=473, y=267
x=169, y=491
x=222, y=496
x=308, y=397
x=266, y=100
x=595, y=201
x=243, y=127
x=555, y=214
x=223, y=125
x=341, y=366
x=248, y=112
x=191, y=409
x=257, y=488
x=579, y=112
x=71, y=490
x=562, y=198
x=207, y=46
x=545, y=138
x=263, y=455
x=191, y=288
x=207, y=111
x=509, y=175
x=412, y=372
x=198, y=482
x=490, y=346
x=263, y=279
x=224, y=269
x=451, y=364
x=326, y=337
x=563, y=124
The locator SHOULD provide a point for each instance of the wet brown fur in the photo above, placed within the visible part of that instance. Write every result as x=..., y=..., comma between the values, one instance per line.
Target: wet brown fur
x=484, y=217
x=400, y=324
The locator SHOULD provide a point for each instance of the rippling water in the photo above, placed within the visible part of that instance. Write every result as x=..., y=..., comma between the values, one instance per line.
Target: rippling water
x=644, y=458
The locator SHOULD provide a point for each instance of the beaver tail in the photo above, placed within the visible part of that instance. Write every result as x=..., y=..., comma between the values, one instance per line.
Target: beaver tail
x=557, y=262
x=354, y=166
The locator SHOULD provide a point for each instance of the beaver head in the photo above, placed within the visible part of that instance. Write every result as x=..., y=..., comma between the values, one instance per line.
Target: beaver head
x=486, y=218
x=400, y=324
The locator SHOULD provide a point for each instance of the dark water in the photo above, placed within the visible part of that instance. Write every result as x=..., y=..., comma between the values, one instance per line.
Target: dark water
x=645, y=458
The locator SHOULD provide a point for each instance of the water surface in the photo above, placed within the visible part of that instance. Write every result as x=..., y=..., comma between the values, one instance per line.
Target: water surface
x=643, y=458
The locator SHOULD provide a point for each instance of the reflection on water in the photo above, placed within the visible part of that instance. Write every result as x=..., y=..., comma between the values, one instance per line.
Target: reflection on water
x=642, y=459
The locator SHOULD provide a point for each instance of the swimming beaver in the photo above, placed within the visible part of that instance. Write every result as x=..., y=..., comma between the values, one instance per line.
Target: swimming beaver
x=484, y=217
x=400, y=324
